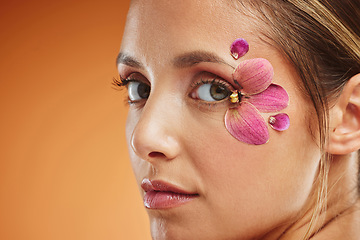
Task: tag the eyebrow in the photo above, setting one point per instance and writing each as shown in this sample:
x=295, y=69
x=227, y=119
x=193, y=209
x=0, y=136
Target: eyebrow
x=192, y=58
x=182, y=61
x=123, y=58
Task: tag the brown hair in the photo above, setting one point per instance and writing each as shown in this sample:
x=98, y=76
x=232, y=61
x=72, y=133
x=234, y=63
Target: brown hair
x=321, y=38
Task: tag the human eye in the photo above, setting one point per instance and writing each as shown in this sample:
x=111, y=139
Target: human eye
x=136, y=86
x=138, y=90
x=211, y=90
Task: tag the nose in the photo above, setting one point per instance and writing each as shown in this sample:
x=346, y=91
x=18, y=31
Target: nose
x=155, y=136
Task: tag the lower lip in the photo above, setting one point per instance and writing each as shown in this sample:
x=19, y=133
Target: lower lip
x=164, y=200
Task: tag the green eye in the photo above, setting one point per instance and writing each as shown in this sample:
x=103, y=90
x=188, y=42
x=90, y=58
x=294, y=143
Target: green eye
x=211, y=92
x=138, y=91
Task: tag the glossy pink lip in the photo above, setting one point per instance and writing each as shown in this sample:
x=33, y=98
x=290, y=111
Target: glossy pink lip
x=162, y=195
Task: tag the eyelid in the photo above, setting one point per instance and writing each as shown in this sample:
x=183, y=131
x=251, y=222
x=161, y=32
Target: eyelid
x=224, y=72
x=131, y=78
x=211, y=78
x=124, y=83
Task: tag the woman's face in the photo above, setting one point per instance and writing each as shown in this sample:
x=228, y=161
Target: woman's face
x=178, y=143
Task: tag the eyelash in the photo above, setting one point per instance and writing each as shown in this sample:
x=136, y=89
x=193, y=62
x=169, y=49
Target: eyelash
x=121, y=82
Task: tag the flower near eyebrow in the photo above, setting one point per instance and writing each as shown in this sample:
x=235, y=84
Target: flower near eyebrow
x=254, y=94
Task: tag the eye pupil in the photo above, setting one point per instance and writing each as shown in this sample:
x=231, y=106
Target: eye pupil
x=218, y=92
x=143, y=90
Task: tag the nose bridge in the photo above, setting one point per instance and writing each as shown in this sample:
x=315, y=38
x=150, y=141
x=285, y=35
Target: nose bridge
x=156, y=132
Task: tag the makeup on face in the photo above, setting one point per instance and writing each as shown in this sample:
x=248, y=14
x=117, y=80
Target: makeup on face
x=254, y=94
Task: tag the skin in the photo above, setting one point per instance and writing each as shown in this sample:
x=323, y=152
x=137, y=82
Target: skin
x=245, y=191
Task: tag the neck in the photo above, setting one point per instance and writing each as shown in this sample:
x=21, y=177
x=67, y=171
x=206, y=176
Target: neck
x=341, y=219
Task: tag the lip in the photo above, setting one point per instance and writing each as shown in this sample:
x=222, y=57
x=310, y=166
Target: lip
x=163, y=195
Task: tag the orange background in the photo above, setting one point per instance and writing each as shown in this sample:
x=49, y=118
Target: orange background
x=64, y=168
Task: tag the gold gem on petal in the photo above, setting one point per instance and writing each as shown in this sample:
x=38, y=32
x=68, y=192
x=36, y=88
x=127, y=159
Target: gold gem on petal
x=234, y=97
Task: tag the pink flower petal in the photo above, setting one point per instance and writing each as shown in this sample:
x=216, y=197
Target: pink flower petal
x=273, y=99
x=239, y=48
x=279, y=122
x=246, y=124
x=253, y=75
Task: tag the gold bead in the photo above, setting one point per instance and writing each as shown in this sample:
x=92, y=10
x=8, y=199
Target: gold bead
x=234, y=97
x=234, y=100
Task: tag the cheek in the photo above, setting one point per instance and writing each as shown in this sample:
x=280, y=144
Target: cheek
x=131, y=122
x=263, y=184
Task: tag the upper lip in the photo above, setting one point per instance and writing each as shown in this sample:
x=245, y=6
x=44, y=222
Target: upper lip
x=161, y=186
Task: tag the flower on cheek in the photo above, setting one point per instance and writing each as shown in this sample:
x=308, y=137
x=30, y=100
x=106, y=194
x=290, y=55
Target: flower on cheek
x=254, y=94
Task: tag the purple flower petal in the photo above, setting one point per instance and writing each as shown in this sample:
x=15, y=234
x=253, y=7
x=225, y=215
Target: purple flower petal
x=253, y=75
x=239, y=48
x=246, y=124
x=279, y=122
x=273, y=99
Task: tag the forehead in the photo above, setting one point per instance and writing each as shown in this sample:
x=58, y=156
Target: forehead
x=166, y=27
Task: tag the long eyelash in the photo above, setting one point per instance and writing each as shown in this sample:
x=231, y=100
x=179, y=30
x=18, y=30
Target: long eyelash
x=212, y=81
x=120, y=83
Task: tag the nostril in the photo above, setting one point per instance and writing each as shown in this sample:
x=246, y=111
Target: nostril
x=156, y=154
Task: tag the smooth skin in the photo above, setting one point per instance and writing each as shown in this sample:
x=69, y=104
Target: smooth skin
x=245, y=191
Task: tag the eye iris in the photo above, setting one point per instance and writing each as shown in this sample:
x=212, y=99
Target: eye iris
x=143, y=90
x=218, y=92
